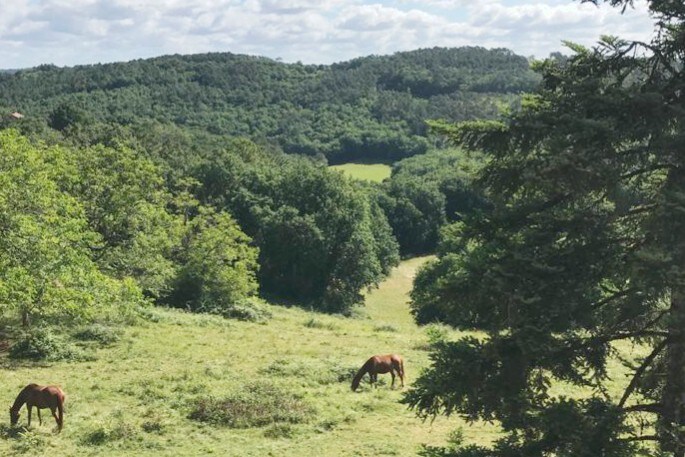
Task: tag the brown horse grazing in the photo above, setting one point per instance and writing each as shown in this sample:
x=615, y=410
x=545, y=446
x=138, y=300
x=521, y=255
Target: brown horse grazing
x=389, y=363
x=41, y=397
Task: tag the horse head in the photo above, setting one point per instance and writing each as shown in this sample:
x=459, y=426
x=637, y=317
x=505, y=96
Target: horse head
x=14, y=416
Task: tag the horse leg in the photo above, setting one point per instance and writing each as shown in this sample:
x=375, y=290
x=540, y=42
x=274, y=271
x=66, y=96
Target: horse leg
x=54, y=414
x=40, y=419
x=30, y=408
x=392, y=384
x=401, y=373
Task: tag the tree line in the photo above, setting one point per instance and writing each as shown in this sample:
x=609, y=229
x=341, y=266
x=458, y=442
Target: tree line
x=371, y=108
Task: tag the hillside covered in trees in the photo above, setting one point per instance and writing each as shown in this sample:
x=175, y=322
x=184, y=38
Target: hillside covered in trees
x=371, y=108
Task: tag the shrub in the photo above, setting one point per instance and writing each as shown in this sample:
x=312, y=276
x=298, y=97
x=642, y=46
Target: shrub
x=114, y=429
x=247, y=309
x=98, y=333
x=41, y=344
x=280, y=430
x=254, y=405
x=436, y=333
x=219, y=265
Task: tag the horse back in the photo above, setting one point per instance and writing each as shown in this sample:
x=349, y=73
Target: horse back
x=385, y=363
x=44, y=396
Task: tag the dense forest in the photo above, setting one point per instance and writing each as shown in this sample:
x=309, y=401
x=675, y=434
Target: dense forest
x=371, y=108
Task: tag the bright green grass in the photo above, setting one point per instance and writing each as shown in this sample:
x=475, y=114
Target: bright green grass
x=148, y=378
x=368, y=172
x=134, y=399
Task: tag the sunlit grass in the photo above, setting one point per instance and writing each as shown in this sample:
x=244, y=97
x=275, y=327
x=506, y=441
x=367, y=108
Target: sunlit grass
x=376, y=172
x=137, y=396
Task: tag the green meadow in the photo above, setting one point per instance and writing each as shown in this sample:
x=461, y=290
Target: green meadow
x=139, y=395
x=375, y=172
x=136, y=395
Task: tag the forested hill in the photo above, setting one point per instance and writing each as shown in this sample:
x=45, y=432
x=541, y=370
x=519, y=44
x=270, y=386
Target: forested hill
x=371, y=108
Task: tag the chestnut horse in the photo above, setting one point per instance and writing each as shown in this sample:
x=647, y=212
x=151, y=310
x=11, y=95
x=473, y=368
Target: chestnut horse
x=389, y=363
x=41, y=397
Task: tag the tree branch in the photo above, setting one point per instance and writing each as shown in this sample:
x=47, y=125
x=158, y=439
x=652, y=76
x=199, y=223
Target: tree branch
x=641, y=438
x=616, y=295
x=640, y=371
x=655, y=408
x=656, y=167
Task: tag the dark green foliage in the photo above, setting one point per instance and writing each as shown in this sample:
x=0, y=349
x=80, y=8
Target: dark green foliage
x=99, y=333
x=66, y=115
x=279, y=431
x=371, y=107
x=321, y=240
x=42, y=344
x=424, y=193
x=255, y=405
x=583, y=247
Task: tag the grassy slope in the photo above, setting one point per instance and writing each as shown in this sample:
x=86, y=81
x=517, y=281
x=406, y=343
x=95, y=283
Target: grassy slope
x=155, y=370
x=376, y=172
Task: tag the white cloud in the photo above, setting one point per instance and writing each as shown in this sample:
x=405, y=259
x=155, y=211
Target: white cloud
x=67, y=32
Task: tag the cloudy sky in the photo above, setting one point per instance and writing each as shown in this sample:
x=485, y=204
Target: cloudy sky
x=70, y=32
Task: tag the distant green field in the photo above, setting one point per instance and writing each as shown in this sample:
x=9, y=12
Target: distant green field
x=376, y=172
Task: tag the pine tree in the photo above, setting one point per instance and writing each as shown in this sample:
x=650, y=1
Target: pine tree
x=583, y=250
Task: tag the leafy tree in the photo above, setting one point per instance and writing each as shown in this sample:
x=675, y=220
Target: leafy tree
x=424, y=193
x=321, y=240
x=125, y=202
x=218, y=265
x=46, y=269
x=66, y=115
x=583, y=248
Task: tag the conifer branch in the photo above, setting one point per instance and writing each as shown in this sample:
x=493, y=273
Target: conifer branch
x=640, y=371
x=656, y=408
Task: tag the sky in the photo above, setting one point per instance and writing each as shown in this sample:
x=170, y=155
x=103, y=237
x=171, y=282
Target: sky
x=73, y=32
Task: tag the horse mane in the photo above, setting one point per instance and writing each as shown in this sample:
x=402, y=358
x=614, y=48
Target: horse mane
x=362, y=371
x=21, y=398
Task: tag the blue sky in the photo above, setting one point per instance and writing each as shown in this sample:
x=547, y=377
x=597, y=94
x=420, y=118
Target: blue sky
x=70, y=32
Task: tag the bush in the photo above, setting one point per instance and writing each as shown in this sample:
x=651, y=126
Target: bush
x=279, y=430
x=98, y=333
x=114, y=429
x=254, y=405
x=436, y=333
x=41, y=344
x=247, y=309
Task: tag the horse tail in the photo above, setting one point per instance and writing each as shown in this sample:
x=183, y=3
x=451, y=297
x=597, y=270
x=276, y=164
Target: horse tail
x=358, y=377
x=402, y=366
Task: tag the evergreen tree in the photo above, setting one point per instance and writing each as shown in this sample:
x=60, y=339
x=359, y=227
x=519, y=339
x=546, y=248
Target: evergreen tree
x=584, y=247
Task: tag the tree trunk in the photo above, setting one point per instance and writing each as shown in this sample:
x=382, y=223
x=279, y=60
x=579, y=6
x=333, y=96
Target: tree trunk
x=25, y=318
x=672, y=424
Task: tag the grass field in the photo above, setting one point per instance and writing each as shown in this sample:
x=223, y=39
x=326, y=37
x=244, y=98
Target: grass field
x=376, y=172
x=135, y=398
